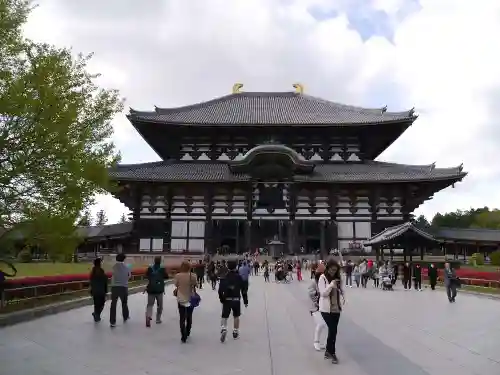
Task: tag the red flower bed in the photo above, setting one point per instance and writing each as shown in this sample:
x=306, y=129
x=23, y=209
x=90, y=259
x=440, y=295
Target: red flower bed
x=470, y=274
x=58, y=279
x=473, y=274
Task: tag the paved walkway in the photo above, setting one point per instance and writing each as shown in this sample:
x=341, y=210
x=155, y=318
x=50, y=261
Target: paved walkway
x=381, y=333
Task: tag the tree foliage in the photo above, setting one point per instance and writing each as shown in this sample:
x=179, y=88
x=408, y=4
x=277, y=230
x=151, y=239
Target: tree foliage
x=421, y=222
x=459, y=218
x=123, y=219
x=101, y=217
x=55, y=132
x=85, y=219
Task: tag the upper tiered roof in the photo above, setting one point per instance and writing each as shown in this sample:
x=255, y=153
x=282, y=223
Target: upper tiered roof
x=271, y=108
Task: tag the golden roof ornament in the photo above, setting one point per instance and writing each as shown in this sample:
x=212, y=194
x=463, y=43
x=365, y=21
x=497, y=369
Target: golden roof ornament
x=299, y=89
x=237, y=88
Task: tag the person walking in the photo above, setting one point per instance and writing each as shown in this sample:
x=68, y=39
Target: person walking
x=349, y=268
x=375, y=275
x=156, y=276
x=451, y=282
x=119, y=289
x=212, y=274
x=319, y=322
x=363, y=270
x=407, y=276
x=266, y=271
x=417, y=277
x=231, y=290
x=357, y=275
x=433, y=275
x=98, y=288
x=256, y=267
x=185, y=287
x=200, y=273
x=244, y=272
x=330, y=305
x=299, y=270
x=314, y=265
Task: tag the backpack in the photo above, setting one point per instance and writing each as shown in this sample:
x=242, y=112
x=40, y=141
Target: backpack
x=156, y=284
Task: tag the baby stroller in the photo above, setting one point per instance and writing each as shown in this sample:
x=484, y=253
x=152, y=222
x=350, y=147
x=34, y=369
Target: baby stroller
x=386, y=279
x=281, y=276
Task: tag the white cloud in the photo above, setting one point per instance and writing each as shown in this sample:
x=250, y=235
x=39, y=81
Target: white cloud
x=442, y=59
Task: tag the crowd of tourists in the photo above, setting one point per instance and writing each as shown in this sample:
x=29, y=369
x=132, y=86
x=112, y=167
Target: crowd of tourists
x=326, y=290
x=232, y=277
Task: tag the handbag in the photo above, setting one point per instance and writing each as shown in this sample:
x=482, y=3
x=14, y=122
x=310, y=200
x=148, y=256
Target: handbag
x=195, y=300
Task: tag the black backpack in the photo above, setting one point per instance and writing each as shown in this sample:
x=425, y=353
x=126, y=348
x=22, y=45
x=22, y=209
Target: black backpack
x=156, y=284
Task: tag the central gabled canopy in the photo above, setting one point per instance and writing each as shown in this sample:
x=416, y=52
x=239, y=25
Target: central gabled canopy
x=272, y=162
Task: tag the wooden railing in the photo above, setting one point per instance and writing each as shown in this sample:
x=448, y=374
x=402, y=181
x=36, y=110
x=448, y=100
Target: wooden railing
x=15, y=299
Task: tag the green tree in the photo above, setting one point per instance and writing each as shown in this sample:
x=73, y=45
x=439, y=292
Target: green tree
x=101, y=217
x=458, y=219
x=487, y=219
x=85, y=220
x=55, y=129
x=421, y=222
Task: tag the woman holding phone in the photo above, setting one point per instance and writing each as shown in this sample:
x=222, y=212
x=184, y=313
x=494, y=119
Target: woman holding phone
x=331, y=299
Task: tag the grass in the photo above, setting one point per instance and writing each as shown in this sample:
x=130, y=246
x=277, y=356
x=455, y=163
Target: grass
x=52, y=269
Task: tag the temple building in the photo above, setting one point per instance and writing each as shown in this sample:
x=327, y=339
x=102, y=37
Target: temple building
x=245, y=169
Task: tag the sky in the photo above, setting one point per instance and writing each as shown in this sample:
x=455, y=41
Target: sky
x=440, y=56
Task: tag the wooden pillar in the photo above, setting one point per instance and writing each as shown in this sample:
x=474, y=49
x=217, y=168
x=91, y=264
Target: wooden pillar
x=248, y=235
x=237, y=228
x=209, y=223
x=136, y=216
x=292, y=237
x=333, y=198
x=248, y=222
x=322, y=244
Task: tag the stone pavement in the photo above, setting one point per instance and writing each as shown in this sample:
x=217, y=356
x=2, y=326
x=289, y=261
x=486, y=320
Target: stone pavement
x=381, y=333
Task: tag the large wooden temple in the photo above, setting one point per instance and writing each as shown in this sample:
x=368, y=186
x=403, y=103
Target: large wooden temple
x=248, y=168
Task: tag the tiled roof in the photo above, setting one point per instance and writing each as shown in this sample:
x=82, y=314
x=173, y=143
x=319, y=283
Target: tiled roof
x=468, y=234
x=172, y=171
x=270, y=108
x=394, y=232
x=100, y=231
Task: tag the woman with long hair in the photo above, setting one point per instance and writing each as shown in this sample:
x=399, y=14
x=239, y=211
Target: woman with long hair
x=185, y=288
x=331, y=299
x=320, y=324
x=98, y=288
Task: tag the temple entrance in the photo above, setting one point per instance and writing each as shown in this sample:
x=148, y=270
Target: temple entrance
x=264, y=231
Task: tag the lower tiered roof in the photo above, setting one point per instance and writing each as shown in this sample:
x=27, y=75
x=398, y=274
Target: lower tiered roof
x=210, y=171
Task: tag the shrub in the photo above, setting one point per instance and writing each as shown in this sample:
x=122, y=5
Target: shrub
x=25, y=256
x=495, y=258
x=477, y=259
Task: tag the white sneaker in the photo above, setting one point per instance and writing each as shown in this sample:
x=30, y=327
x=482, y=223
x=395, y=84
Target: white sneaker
x=317, y=346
